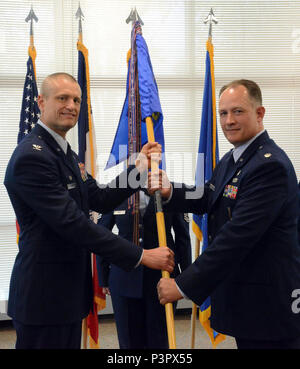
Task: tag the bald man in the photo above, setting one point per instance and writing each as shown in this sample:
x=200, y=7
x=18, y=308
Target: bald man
x=51, y=283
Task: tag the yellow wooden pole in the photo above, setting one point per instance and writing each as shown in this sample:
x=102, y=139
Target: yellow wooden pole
x=84, y=333
x=32, y=54
x=84, y=340
x=31, y=49
x=84, y=322
x=162, y=240
x=194, y=306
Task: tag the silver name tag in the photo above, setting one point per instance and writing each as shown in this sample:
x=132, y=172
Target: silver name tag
x=71, y=185
x=212, y=187
x=119, y=212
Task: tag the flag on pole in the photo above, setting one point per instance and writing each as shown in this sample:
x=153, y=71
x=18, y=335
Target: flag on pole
x=141, y=101
x=149, y=101
x=30, y=112
x=209, y=151
x=88, y=158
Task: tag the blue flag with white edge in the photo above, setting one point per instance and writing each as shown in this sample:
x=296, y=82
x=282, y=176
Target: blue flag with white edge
x=208, y=157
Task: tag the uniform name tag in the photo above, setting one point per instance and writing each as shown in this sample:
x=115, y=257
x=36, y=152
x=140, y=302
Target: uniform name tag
x=119, y=212
x=71, y=186
x=212, y=187
x=230, y=192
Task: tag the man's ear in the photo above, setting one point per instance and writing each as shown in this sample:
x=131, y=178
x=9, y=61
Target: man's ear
x=40, y=102
x=260, y=111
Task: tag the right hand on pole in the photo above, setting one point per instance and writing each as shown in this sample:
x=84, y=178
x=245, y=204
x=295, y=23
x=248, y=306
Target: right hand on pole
x=151, y=151
x=158, y=180
x=161, y=258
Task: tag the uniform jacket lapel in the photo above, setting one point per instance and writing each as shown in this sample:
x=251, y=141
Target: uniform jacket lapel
x=70, y=162
x=150, y=209
x=226, y=171
x=223, y=175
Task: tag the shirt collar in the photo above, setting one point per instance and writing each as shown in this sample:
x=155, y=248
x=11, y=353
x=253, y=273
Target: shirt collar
x=237, y=151
x=61, y=141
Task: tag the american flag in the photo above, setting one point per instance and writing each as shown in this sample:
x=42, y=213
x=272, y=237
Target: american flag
x=30, y=112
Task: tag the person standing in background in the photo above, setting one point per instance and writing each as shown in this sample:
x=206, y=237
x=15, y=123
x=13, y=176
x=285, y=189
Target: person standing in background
x=140, y=318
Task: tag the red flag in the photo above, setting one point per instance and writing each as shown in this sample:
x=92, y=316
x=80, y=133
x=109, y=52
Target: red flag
x=87, y=155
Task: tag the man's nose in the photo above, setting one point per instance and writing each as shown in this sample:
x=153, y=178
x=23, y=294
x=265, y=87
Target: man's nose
x=70, y=104
x=230, y=118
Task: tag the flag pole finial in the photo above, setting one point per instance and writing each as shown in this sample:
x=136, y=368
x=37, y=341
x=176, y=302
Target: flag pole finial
x=79, y=14
x=134, y=16
x=210, y=19
x=31, y=17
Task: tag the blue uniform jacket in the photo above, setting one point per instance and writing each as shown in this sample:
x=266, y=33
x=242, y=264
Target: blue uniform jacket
x=51, y=280
x=299, y=216
x=131, y=284
x=252, y=263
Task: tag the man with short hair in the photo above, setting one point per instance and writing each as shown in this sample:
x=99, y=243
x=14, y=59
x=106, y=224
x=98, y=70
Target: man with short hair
x=252, y=263
x=51, y=283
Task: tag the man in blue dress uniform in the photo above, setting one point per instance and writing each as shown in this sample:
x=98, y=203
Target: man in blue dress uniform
x=252, y=263
x=299, y=215
x=51, y=283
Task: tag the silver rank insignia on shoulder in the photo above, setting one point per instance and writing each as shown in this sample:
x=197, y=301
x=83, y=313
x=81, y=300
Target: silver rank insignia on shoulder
x=268, y=155
x=186, y=217
x=36, y=147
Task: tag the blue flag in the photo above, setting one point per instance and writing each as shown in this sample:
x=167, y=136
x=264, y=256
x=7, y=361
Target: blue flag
x=83, y=119
x=150, y=107
x=208, y=156
x=30, y=112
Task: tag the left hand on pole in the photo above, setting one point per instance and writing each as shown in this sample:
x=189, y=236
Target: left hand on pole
x=167, y=291
x=151, y=151
x=158, y=180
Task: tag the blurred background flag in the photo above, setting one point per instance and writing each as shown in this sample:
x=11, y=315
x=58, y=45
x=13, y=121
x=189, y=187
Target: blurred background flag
x=88, y=161
x=208, y=157
x=30, y=112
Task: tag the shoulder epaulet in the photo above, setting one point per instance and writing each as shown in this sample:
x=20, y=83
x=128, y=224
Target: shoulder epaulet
x=264, y=152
